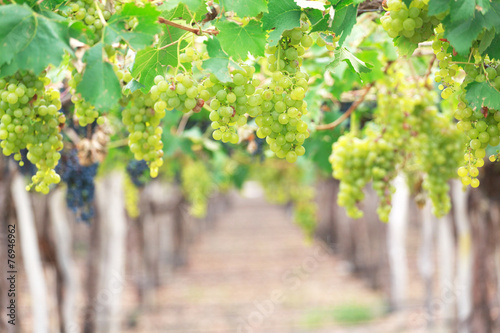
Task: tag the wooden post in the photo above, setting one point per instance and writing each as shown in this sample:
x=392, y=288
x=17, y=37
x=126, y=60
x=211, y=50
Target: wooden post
x=396, y=243
x=66, y=279
x=31, y=255
x=464, y=258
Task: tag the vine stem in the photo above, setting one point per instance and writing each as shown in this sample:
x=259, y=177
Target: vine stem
x=183, y=122
x=429, y=69
x=351, y=109
x=183, y=27
x=118, y=143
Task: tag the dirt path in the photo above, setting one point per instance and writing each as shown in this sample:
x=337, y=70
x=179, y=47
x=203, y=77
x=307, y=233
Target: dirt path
x=254, y=272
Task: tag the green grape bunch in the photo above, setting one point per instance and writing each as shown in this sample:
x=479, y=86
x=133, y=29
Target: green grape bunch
x=231, y=102
x=181, y=92
x=30, y=119
x=282, y=101
x=91, y=13
x=142, y=118
x=412, y=23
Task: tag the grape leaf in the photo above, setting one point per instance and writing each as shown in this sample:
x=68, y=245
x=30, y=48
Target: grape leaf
x=494, y=49
x=343, y=21
x=196, y=8
x=134, y=85
x=345, y=3
x=462, y=33
x=153, y=61
x=99, y=86
x=407, y=3
x=486, y=40
x=405, y=46
x=483, y=94
x=218, y=62
x=180, y=11
x=17, y=27
x=283, y=15
x=437, y=7
x=244, y=8
x=461, y=10
x=238, y=41
x=139, y=37
x=342, y=54
x=46, y=43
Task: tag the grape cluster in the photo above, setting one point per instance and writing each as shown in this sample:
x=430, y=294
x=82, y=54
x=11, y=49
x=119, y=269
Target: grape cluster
x=87, y=11
x=29, y=118
x=356, y=162
x=411, y=24
x=142, y=118
x=84, y=111
x=282, y=101
x=481, y=125
x=80, y=184
x=180, y=92
x=196, y=182
x=231, y=101
x=408, y=135
x=135, y=170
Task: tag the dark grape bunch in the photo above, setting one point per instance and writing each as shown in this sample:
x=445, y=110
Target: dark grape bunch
x=29, y=118
x=80, y=184
x=135, y=170
x=91, y=13
x=142, y=118
x=411, y=24
x=231, y=101
x=282, y=101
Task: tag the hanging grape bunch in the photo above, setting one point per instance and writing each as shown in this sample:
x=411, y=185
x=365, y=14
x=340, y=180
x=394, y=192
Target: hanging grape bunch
x=412, y=24
x=180, y=92
x=142, y=118
x=91, y=13
x=29, y=118
x=230, y=103
x=282, y=101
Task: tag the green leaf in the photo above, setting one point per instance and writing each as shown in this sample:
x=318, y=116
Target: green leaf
x=196, y=8
x=99, y=86
x=218, y=62
x=461, y=10
x=461, y=34
x=46, y=43
x=17, y=27
x=342, y=54
x=405, y=46
x=244, y=8
x=134, y=85
x=345, y=3
x=142, y=35
x=407, y=3
x=494, y=49
x=483, y=94
x=153, y=61
x=283, y=15
x=486, y=40
x=437, y=7
x=180, y=11
x=238, y=41
x=342, y=23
